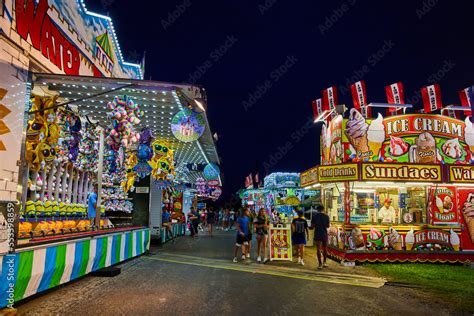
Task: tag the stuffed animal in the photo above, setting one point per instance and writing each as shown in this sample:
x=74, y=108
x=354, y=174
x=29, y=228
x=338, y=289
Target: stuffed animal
x=44, y=154
x=24, y=228
x=39, y=209
x=30, y=209
x=62, y=209
x=55, y=209
x=48, y=208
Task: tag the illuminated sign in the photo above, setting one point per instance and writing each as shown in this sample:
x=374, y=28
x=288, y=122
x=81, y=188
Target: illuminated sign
x=401, y=172
x=464, y=174
x=342, y=172
x=309, y=177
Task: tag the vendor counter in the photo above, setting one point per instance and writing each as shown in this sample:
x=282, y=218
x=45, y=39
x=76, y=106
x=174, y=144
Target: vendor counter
x=35, y=269
x=178, y=229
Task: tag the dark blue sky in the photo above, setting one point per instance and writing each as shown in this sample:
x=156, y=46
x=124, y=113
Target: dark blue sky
x=291, y=51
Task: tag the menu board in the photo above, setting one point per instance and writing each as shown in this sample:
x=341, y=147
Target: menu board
x=280, y=243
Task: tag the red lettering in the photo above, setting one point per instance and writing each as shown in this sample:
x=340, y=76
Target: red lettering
x=28, y=22
x=71, y=61
x=47, y=46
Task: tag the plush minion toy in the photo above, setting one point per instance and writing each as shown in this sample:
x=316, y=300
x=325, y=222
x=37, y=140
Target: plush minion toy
x=48, y=208
x=69, y=210
x=83, y=211
x=62, y=209
x=55, y=212
x=39, y=209
x=30, y=210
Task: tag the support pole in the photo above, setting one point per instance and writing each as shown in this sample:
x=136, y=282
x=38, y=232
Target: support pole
x=99, y=176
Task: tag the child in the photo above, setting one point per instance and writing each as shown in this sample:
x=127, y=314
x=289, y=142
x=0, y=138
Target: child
x=299, y=228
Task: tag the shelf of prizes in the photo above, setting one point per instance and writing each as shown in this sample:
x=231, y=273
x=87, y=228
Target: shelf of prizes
x=399, y=189
x=67, y=154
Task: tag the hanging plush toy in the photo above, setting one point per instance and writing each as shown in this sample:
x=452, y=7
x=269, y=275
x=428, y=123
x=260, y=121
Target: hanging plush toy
x=123, y=116
x=144, y=153
x=163, y=169
x=44, y=154
x=131, y=174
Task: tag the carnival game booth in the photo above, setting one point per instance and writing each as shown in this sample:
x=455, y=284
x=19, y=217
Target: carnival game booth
x=402, y=188
x=113, y=133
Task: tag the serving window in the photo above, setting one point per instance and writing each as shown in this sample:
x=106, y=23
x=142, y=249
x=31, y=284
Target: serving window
x=378, y=203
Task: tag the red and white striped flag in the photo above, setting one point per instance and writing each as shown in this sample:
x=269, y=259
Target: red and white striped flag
x=395, y=95
x=466, y=96
x=431, y=98
x=256, y=178
x=359, y=98
x=317, y=108
x=330, y=100
x=249, y=182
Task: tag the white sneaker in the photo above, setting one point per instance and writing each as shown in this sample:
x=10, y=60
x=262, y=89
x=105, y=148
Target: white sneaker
x=299, y=260
x=259, y=259
x=243, y=257
x=302, y=262
x=265, y=260
x=235, y=260
x=248, y=255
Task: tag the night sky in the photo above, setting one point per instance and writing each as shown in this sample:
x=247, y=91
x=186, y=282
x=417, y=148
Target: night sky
x=263, y=62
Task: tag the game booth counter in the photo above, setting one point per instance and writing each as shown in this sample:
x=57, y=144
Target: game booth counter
x=399, y=188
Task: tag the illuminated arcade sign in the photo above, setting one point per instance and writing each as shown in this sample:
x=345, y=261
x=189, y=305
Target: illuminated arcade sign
x=401, y=172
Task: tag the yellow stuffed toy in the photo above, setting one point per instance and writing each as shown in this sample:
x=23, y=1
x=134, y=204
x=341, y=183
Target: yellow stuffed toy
x=39, y=208
x=44, y=154
x=30, y=209
x=48, y=208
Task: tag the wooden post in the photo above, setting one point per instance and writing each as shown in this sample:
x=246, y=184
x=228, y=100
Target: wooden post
x=99, y=175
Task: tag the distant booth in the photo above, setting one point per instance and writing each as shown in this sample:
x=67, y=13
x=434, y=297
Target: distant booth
x=399, y=188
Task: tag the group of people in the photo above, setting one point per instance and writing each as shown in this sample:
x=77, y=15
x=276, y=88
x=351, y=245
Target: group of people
x=249, y=223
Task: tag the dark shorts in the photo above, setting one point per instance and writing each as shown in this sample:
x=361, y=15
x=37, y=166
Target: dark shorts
x=299, y=240
x=261, y=232
x=241, y=240
x=323, y=240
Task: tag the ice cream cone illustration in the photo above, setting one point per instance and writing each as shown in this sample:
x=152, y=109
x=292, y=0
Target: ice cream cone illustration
x=410, y=239
x=439, y=204
x=394, y=239
x=469, y=134
x=340, y=238
x=454, y=239
x=356, y=132
x=376, y=135
x=468, y=213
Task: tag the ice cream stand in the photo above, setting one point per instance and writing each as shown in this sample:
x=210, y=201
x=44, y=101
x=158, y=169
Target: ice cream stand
x=399, y=188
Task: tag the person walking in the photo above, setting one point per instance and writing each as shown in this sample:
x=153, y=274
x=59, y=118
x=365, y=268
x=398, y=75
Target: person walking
x=299, y=229
x=242, y=234
x=320, y=223
x=262, y=223
x=193, y=218
x=211, y=220
x=251, y=215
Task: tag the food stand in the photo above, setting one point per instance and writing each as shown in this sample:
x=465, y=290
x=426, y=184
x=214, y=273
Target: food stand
x=398, y=188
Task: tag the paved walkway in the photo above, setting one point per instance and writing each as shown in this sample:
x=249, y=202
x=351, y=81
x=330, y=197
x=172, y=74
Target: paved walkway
x=197, y=277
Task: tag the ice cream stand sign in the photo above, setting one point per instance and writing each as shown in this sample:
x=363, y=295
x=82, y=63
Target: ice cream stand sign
x=461, y=174
x=442, y=206
x=411, y=138
x=341, y=172
x=401, y=172
x=433, y=238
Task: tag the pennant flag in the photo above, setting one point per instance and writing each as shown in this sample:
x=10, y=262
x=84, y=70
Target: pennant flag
x=359, y=98
x=317, y=108
x=431, y=98
x=395, y=95
x=249, y=182
x=256, y=178
x=330, y=100
x=467, y=99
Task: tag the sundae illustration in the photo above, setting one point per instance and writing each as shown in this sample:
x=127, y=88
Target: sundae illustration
x=452, y=148
x=376, y=238
x=356, y=132
x=468, y=213
x=376, y=134
x=398, y=146
x=469, y=134
x=394, y=239
x=424, y=150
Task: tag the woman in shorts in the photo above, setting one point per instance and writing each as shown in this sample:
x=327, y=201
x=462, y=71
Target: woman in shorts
x=261, y=229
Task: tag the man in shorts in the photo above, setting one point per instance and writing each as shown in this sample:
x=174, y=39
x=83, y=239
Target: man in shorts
x=320, y=223
x=242, y=234
x=299, y=227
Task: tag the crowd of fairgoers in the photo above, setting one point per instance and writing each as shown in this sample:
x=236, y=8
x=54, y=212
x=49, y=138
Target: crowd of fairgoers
x=249, y=223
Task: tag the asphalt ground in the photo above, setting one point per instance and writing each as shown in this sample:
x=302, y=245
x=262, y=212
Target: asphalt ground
x=197, y=277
